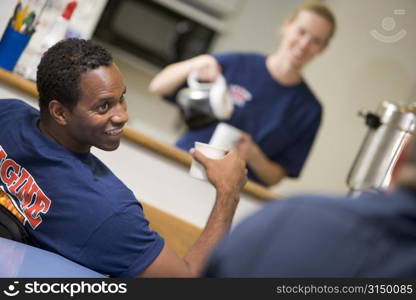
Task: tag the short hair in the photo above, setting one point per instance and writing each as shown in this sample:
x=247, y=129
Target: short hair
x=60, y=69
x=321, y=10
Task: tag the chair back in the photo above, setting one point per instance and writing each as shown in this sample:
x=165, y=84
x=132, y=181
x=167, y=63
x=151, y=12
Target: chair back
x=12, y=229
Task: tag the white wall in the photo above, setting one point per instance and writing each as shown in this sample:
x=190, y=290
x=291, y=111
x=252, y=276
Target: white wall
x=254, y=26
x=6, y=11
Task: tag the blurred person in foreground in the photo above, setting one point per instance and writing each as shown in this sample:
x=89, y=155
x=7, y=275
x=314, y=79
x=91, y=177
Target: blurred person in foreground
x=273, y=104
x=68, y=200
x=372, y=235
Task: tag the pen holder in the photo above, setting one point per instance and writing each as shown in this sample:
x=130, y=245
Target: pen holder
x=12, y=45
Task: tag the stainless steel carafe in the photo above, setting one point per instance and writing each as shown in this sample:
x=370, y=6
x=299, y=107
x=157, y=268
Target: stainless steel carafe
x=390, y=128
x=204, y=103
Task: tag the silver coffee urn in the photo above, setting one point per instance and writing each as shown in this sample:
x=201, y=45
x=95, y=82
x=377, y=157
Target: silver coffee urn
x=389, y=130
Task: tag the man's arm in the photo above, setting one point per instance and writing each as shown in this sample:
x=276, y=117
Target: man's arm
x=174, y=75
x=265, y=169
x=228, y=176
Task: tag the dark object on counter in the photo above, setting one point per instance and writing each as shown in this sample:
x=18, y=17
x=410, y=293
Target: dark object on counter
x=152, y=31
x=12, y=229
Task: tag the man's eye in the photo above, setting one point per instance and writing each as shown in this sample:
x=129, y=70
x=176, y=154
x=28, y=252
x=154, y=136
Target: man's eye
x=103, y=107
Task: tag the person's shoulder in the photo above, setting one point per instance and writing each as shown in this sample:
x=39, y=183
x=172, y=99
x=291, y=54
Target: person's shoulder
x=239, y=56
x=366, y=207
x=15, y=109
x=308, y=204
x=305, y=88
x=14, y=104
x=308, y=97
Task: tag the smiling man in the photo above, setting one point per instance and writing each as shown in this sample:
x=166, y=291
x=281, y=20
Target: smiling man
x=272, y=102
x=69, y=201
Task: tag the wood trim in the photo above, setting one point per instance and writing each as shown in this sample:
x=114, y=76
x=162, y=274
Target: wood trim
x=178, y=234
x=184, y=158
x=18, y=82
x=157, y=146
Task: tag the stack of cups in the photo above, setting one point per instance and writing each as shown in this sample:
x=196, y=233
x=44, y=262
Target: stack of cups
x=225, y=136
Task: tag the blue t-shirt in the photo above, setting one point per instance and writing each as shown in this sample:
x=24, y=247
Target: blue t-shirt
x=373, y=235
x=71, y=203
x=282, y=120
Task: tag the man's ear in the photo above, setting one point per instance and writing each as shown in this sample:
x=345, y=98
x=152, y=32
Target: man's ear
x=58, y=112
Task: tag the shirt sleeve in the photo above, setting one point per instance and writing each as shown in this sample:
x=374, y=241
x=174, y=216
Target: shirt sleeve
x=123, y=246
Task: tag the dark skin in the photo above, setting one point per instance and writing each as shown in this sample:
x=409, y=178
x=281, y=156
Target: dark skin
x=97, y=120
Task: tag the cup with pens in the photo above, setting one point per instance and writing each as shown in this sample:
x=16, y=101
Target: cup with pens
x=16, y=36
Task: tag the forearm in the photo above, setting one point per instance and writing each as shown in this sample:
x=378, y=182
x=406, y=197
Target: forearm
x=217, y=226
x=173, y=76
x=266, y=170
x=228, y=175
x=170, y=78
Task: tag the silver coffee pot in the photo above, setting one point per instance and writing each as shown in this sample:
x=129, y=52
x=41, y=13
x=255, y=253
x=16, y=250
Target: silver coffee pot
x=203, y=103
x=390, y=129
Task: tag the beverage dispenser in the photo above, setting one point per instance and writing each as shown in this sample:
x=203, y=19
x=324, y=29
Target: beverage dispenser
x=389, y=130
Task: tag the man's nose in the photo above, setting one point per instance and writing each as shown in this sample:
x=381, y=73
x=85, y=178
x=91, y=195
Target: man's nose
x=120, y=114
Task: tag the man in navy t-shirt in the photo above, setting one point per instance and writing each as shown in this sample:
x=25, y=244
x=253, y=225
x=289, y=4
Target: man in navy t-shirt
x=69, y=201
x=273, y=104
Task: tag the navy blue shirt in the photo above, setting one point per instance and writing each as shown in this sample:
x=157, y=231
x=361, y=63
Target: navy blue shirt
x=373, y=235
x=71, y=203
x=282, y=120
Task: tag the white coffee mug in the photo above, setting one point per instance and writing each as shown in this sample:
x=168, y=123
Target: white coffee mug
x=225, y=136
x=197, y=170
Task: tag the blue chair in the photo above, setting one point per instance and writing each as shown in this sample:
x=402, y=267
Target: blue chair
x=24, y=261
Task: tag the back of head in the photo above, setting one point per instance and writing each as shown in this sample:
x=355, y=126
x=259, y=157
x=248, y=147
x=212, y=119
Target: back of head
x=61, y=67
x=321, y=10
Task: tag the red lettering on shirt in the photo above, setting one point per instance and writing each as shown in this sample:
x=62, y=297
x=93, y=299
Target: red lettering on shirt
x=23, y=186
x=41, y=205
x=9, y=171
x=27, y=192
x=3, y=154
x=23, y=178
